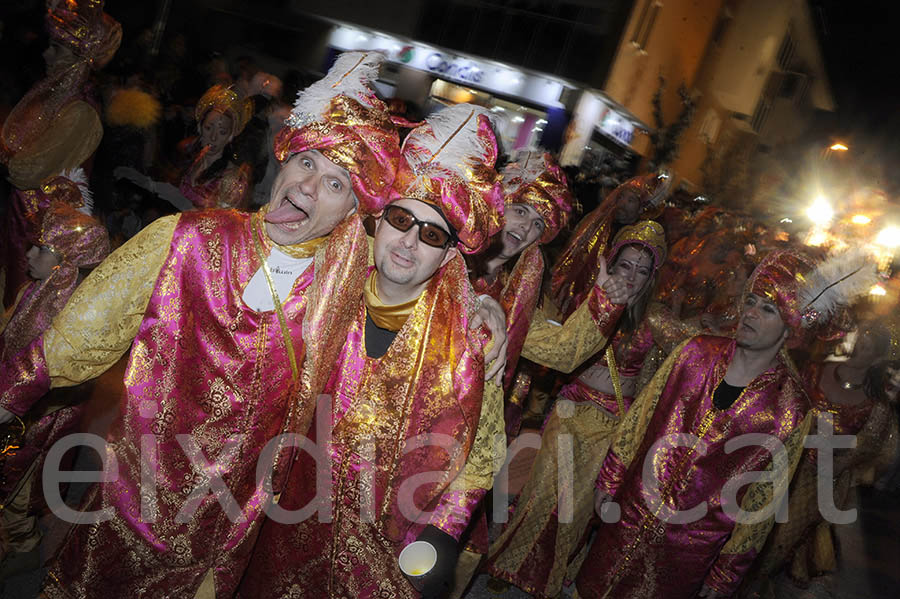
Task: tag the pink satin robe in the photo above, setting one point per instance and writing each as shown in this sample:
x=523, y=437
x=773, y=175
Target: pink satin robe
x=206, y=366
x=641, y=556
x=349, y=556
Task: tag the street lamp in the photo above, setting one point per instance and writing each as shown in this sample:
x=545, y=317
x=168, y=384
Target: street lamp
x=838, y=147
x=889, y=237
x=820, y=212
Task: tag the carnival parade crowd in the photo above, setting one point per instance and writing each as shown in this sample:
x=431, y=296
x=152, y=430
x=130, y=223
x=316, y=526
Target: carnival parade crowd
x=342, y=323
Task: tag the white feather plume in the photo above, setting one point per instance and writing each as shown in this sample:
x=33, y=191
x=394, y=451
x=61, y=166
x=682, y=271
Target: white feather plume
x=350, y=75
x=455, y=143
x=836, y=282
x=524, y=169
x=79, y=178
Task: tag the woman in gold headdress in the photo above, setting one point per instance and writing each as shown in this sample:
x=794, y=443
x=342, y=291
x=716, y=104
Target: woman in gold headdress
x=536, y=549
x=214, y=179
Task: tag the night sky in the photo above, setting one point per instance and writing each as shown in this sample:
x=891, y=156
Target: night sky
x=860, y=41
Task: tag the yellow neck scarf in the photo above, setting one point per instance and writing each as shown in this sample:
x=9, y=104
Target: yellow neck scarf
x=386, y=317
x=306, y=249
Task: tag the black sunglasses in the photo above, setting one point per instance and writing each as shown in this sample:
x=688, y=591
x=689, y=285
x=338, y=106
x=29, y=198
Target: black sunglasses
x=429, y=233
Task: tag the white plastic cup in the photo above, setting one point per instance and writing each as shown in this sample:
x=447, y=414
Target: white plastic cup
x=416, y=560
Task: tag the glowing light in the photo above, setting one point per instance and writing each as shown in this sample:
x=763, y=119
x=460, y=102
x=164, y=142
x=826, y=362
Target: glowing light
x=878, y=290
x=786, y=220
x=817, y=238
x=860, y=219
x=839, y=147
x=820, y=212
x=889, y=237
x=518, y=119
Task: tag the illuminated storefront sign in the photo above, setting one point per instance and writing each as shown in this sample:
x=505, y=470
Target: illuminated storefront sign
x=490, y=76
x=618, y=127
x=460, y=70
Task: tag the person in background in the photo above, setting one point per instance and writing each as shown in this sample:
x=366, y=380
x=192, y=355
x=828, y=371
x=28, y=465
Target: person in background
x=70, y=239
x=676, y=534
x=55, y=127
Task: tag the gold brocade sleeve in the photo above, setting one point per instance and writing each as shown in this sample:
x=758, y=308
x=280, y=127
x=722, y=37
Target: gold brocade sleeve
x=747, y=537
x=637, y=418
x=485, y=458
x=564, y=347
x=70, y=140
x=102, y=318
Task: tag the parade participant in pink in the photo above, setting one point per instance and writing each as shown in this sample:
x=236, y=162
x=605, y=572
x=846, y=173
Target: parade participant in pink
x=70, y=239
x=409, y=396
x=577, y=266
x=234, y=321
x=214, y=180
x=713, y=389
x=538, y=551
x=55, y=127
x=538, y=203
x=839, y=391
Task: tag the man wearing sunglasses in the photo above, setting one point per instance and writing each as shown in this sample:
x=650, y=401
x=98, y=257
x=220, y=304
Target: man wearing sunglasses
x=413, y=422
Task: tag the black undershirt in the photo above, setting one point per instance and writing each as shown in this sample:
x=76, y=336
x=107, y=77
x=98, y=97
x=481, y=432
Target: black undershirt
x=378, y=340
x=725, y=395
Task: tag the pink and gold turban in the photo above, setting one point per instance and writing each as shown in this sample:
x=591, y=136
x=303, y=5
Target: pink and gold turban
x=651, y=189
x=812, y=296
x=448, y=162
x=779, y=278
x=340, y=117
x=645, y=233
x=83, y=27
x=536, y=180
x=76, y=238
x=228, y=102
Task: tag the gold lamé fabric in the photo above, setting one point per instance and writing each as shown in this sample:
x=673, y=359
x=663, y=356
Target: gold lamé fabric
x=388, y=317
x=429, y=385
x=669, y=332
x=542, y=547
x=518, y=293
x=360, y=138
x=227, y=101
x=646, y=233
x=65, y=144
x=643, y=554
x=83, y=341
x=205, y=365
x=576, y=267
x=51, y=129
x=231, y=188
x=779, y=277
x=582, y=335
x=83, y=27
